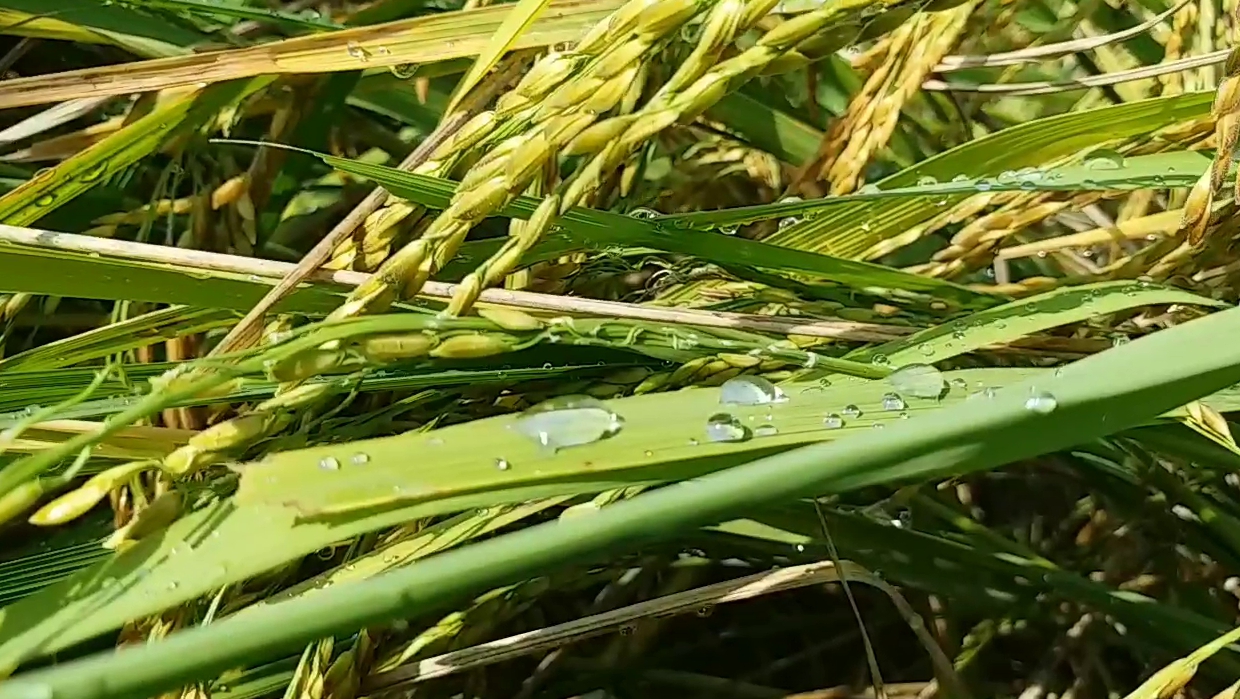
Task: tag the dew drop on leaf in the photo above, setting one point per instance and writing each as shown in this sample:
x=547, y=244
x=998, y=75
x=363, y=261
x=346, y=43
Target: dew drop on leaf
x=1041, y=403
x=724, y=427
x=893, y=401
x=750, y=390
x=329, y=463
x=569, y=421
x=360, y=458
x=502, y=464
x=851, y=411
x=766, y=431
x=1104, y=159
x=832, y=421
x=918, y=380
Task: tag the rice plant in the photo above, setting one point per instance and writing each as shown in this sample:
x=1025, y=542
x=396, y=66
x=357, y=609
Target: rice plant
x=618, y=348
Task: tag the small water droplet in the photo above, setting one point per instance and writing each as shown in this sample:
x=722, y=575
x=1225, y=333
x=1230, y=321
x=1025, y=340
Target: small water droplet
x=851, y=412
x=643, y=213
x=1041, y=403
x=45, y=200
x=693, y=442
x=750, y=390
x=360, y=458
x=568, y=421
x=959, y=383
x=329, y=463
x=173, y=585
x=983, y=186
x=918, y=380
x=502, y=464
x=729, y=230
x=893, y=401
x=877, y=426
x=832, y=421
x=766, y=431
x=926, y=181
x=356, y=51
x=788, y=222
x=903, y=520
x=724, y=427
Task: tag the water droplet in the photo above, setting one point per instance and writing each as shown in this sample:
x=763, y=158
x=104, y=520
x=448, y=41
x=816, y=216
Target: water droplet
x=851, y=411
x=724, y=427
x=766, y=431
x=729, y=230
x=404, y=71
x=750, y=390
x=568, y=421
x=356, y=51
x=832, y=421
x=502, y=464
x=960, y=178
x=903, y=520
x=1041, y=403
x=893, y=401
x=693, y=442
x=360, y=458
x=959, y=383
x=1104, y=159
x=643, y=213
x=877, y=426
x=329, y=463
x=926, y=181
x=173, y=585
x=903, y=414
x=547, y=365
x=880, y=360
x=983, y=186
x=45, y=200
x=95, y=172
x=788, y=222
x=918, y=380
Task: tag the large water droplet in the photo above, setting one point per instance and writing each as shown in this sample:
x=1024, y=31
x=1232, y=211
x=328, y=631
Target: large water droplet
x=893, y=401
x=1104, y=159
x=329, y=463
x=724, y=427
x=360, y=458
x=1041, y=403
x=832, y=421
x=919, y=381
x=750, y=390
x=643, y=213
x=851, y=411
x=569, y=421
